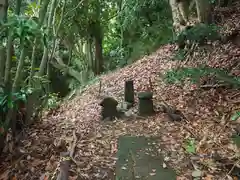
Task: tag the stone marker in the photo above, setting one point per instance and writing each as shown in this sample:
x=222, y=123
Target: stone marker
x=129, y=92
x=145, y=106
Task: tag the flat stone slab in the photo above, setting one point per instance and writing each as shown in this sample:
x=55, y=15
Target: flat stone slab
x=138, y=158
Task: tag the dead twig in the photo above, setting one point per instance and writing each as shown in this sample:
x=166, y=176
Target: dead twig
x=64, y=166
x=188, y=129
x=150, y=84
x=189, y=54
x=235, y=95
x=73, y=146
x=235, y=164
x=213, y=85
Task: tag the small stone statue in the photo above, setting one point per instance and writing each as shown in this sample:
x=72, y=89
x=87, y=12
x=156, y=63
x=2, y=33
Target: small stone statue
x=109, y=108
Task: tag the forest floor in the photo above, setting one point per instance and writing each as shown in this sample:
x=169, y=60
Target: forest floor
x=77, y=120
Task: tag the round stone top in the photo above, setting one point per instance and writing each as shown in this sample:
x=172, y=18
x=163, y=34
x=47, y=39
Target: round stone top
x=145, y=95
x=108, y=101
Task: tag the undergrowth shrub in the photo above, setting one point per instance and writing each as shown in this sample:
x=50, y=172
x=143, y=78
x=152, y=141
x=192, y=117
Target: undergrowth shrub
x=52, y=101
x=10, y=100
x=200, y=34
x=194, y=75
x=180, y=55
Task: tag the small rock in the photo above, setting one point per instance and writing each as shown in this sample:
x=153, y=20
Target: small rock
x=166, y=159
x=123, y=168
x=125, y=105
x=128, y=113
x=152, y=174
x=197, y=173
x=44, y=176
x=195, y=158
x=164, y=165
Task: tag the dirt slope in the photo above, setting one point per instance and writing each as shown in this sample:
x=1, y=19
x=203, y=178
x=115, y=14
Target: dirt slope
x=207, y=115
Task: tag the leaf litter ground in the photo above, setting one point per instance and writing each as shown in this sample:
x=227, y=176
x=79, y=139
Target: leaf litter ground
x=207, y=112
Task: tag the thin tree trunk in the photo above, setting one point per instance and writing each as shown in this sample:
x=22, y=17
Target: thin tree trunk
x=19, y=69
x=203, y=10
x=42, y=15
x=10, y=50
x=3, y=15
x=98, y=55
x=88, y=51
x=8, y=63
x=18, y=7
x=15, y=88
x=176, y=15
x=10, y=117
x=33, y=59
x=55, y=35
x=3, y=10
x=45, y=51
x=180, y=12
x=2, y=64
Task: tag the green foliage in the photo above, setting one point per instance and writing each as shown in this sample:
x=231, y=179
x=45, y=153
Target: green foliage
x=140, y=28
x=52, y=101
x=200, y=33
x=235, y=116
x=190, y=146
x=236, y=139
x=195, y=74
x=10, y=101
x=24, y=28
x=180, y=55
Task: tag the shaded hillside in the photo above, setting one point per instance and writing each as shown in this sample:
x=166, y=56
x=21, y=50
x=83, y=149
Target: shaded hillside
x=207, y=111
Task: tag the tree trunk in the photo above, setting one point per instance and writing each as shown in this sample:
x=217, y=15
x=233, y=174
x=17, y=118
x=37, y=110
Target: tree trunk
x=98, y=55
x=176, y=15
x=44, y=60
x=180, y=12
x=18, y=7
x=19, y=69
x=203, y=10
x=89, y=52
x=56, y=32
x=8, y=64
x=33, y=59
x=42, y=15
x=3, y=10
x=2, y=64
x=10, y=49
x=64, y=166
x=3, y=15
x=11, y=114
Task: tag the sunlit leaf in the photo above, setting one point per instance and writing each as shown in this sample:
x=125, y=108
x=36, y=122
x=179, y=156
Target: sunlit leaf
x=235, y=116
x=190, y=146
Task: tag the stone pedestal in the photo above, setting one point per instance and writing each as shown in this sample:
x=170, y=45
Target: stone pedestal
x=145, y=107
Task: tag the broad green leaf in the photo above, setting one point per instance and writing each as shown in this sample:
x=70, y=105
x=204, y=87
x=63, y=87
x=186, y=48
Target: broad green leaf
x=190, y=146
x=10, y=104
x=235, y=116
